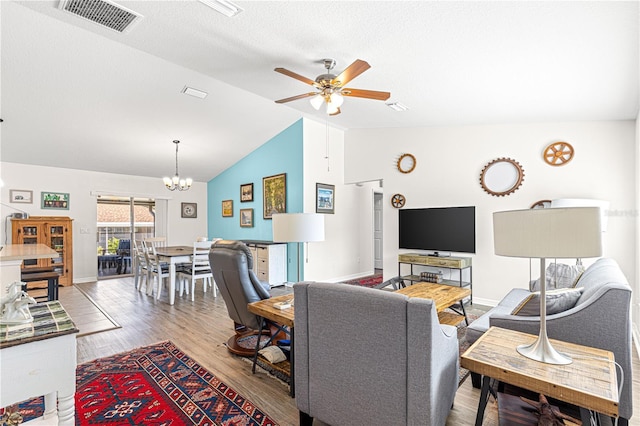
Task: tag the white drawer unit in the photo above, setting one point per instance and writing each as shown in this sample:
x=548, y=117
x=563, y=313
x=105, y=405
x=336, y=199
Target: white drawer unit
x=269, y=261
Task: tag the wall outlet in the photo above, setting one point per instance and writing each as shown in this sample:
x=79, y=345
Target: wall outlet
x=85, y=231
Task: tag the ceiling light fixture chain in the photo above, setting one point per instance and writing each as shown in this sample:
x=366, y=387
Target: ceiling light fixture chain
x=176, y=183
x=326, y=153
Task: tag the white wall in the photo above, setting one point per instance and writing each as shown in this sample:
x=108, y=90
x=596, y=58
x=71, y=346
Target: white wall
x=82, y=205
x=338, y=257
x=449, y=162
x=636, y=282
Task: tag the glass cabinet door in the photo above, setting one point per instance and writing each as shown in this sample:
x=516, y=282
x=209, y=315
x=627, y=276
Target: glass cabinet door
x=56, y=242
x=29, y=234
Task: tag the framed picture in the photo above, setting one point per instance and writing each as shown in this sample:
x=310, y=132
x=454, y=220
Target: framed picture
x=55, y=200
x=246, y=192
x=246, y=218
x=20, y=196
x=274, y=194
x=189, y=210
x=325, y=198
x=227, y=208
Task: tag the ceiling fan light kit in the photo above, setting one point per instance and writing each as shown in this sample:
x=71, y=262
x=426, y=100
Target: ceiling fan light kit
x=331, y=87
x=176, y=182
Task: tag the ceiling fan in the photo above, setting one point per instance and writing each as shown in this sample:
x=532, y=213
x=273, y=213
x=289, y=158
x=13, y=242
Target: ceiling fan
x=331, y=87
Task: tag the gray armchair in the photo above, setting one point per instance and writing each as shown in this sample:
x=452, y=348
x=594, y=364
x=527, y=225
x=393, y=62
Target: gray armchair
x=371, y=357
x=231, y=265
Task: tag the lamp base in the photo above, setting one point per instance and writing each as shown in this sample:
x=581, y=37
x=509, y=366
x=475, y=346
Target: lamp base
x=541, y=350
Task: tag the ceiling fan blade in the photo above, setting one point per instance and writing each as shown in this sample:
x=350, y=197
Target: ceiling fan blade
x=352, y=71
x=296, y=76
x=369, y=94
x=295, y=98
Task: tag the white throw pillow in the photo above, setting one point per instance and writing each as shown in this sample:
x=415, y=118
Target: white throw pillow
x=558, y=301
x=559, y=275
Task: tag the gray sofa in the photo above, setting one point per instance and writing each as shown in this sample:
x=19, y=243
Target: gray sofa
x=600, y=318
x=371, y=357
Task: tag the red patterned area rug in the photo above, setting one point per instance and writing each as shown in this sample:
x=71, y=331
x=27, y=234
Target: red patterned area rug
x=369, y=281
x=157, y=384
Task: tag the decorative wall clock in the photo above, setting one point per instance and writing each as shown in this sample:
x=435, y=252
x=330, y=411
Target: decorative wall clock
x=558, y=153
x=189, y=210
x=406, y=163
x=501, y=177
x=398, y=200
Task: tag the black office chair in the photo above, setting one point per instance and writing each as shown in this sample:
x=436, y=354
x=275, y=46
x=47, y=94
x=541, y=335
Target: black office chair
x=231, y=264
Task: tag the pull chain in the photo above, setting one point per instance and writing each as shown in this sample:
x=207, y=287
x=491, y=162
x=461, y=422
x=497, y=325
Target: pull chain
x=326, y=155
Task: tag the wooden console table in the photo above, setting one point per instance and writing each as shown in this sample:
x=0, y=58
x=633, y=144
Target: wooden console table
x=589, y=382
x=39, y=358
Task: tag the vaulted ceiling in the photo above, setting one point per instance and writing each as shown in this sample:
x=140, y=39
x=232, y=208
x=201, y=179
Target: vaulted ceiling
x=77, y=95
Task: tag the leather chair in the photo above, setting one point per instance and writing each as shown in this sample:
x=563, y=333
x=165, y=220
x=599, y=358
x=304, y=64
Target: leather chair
x=232, y=267
x=371, y=357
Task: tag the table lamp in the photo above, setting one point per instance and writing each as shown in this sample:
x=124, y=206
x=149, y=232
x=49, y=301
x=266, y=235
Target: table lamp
x=298, y=228
x=547, y=233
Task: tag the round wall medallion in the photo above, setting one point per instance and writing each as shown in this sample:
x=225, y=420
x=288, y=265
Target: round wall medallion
x=398, y=200
x=558, y=153
x=406, y=163
x=501, y=177
x=542, y=204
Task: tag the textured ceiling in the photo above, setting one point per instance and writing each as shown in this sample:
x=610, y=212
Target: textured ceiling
x=77, y=95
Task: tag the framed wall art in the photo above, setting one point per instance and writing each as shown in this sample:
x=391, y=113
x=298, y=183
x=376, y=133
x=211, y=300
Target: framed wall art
x=20, y=196
x=274, y=195
x=227, y=208
x=325, y=198
x=189, y=210
x=246, y=192
x=246, y=218
x=54, y=200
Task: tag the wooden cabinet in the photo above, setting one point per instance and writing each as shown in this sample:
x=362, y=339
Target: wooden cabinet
x=52, y=231
x=269, y=262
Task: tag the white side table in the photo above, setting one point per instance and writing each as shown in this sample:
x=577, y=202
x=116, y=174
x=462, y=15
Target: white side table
x=40, y=359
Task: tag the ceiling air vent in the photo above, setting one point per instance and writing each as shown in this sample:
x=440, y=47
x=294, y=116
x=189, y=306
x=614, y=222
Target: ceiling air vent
x=103, y=12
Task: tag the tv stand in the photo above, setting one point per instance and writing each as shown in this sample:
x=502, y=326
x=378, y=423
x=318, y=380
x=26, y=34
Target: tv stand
x=431, y=262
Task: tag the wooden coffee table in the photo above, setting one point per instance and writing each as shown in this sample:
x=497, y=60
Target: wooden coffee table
x=444, y=297
x=590, y=381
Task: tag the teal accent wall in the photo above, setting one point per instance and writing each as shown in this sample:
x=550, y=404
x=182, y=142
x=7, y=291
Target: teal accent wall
x=281, y=154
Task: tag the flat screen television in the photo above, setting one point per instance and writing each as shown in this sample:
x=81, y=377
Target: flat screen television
x=439, y=229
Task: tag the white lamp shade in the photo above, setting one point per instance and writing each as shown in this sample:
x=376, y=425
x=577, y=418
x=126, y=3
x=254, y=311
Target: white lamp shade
x=298, y=227
x=317, y=101
x=548, y=233
x=584, y=202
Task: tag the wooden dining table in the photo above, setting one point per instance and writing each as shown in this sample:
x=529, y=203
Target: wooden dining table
x=174, y=255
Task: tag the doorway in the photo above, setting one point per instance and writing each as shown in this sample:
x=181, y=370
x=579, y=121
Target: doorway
x=120, y=222
x=377, y=231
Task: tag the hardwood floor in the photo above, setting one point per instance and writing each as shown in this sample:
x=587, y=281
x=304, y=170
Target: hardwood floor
x=200, y=328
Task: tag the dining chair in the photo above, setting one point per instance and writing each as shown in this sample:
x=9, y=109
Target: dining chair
x=155, y=242
x=141, y=269
x=155, y=268
x=124, y=253
x=199, y=268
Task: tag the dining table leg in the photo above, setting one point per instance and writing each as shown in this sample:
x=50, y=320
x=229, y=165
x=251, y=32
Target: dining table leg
x=172, y=281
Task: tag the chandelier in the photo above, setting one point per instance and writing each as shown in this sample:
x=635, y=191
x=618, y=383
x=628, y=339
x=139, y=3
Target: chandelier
x=175, y=182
